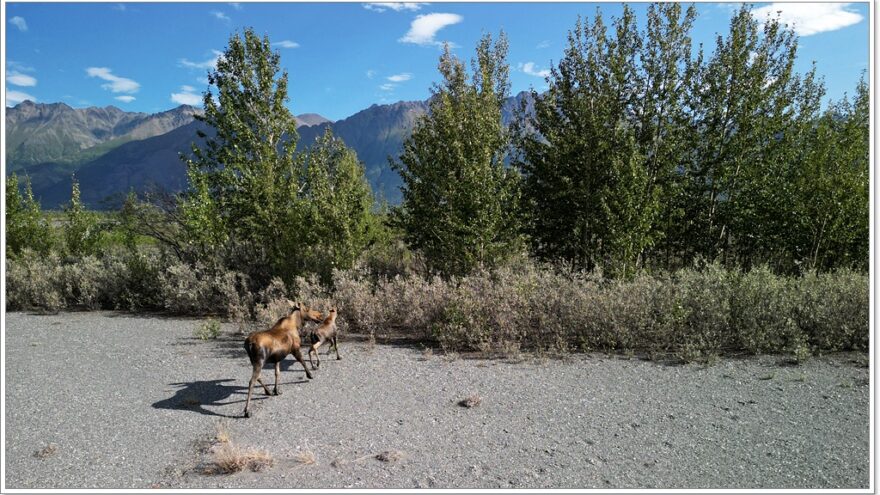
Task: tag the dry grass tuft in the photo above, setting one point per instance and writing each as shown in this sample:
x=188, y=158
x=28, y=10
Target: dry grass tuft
x=222, y=435
x=305, y=457
x=47, y=451
x=390, y=456
x=230, y=458
x=472, y=401
x=427, y=353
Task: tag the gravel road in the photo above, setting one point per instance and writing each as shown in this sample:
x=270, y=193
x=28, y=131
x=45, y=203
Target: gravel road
x=117, y=401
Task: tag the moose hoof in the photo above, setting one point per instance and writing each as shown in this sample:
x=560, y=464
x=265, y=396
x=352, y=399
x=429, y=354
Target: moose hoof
x=276, y=392
x=338, y=358
x=309, y=375
x=246, y=414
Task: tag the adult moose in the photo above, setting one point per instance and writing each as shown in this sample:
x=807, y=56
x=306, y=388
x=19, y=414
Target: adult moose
x=274, y=345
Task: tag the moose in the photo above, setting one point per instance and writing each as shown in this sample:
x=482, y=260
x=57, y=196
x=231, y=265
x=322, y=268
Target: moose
x=275, y=344
x=324, y=333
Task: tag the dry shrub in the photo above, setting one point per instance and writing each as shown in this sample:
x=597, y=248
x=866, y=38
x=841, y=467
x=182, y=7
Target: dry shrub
x=47, y=451
x=198, y=289
x=229, y=458
x=32, y=282
x=207, y=330
x=390, y=456
x=832, y=310
x=409, y=304
x=305, y=457
x=762, y=310
x=694, y=314
x=471, y=401
x=222, y=435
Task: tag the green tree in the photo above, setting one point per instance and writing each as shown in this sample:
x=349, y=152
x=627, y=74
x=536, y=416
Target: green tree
x=335, y=208
x=662, y=117
x=460, y=201
x=741, y=100
x=26, y=226
x=830, y=205
x=592, y=200
x=243, y=177
x=81, y=229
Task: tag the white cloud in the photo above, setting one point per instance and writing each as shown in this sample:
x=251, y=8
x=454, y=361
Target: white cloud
x=424, y=27
x=810, y=18
x=530, y=69
x=125, y=98
x=286, y=44
x=18, y=22
x=370, y=73
x=543, y=44
x=220, y=15
x=15, y=97
x=120, y=7
x=406, y=76
x=12, y=64
x=18, y=79
x=207, y=64
x=116, y=84
x=187, y=97
x=235, y=5
x=387, y=87
x=203, y=80
x=395, y=6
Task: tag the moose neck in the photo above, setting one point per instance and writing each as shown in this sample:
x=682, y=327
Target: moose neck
x=297, y=319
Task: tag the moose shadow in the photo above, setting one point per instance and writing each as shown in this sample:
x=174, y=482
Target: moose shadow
x=194, y=396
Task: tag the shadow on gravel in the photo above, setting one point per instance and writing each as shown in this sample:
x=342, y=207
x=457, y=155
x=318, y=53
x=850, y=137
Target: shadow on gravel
x=194, y=396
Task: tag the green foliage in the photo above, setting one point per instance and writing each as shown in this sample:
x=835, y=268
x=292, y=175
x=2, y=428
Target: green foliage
x=334, y=209
x=641, y=154
x=253, y=203
x=208, y=330
x=829, y=206
x=243, y=179
x=81, y=230
x=742, y=98
x=26, y=227
x=610, y=139
x=460, y=202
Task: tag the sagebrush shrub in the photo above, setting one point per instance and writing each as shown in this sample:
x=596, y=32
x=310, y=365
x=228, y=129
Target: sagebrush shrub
x=833, y=309
x=32, y=282
x=693, y=314
x=762, y=311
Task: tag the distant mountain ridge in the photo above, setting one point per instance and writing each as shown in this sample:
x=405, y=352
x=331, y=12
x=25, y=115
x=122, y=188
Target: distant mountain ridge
x=39, y=133
x=113, y=152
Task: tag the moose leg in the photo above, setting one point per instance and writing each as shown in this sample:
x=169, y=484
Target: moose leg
x=314, y=349
x=299, y=357
x=263, y=384
x=254, y=377
x=277, y=376
x=336, y=346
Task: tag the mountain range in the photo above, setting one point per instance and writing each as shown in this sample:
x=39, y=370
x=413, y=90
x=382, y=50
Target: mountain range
x=112, y=151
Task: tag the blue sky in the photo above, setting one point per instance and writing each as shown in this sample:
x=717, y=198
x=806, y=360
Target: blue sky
x=341, y=57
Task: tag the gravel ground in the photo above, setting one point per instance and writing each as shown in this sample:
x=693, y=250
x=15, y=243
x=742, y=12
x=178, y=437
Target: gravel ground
x=134, y=402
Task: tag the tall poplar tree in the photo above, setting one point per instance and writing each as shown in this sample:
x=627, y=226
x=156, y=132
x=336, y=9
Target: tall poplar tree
x=459, y=199
x=243, y=178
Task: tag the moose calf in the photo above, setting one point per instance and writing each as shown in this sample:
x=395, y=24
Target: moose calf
x=325, y=332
